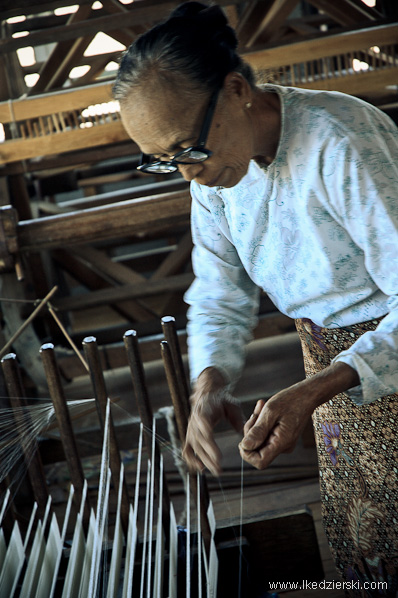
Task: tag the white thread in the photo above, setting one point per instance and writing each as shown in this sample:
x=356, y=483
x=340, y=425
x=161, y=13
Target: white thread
x=240, y=531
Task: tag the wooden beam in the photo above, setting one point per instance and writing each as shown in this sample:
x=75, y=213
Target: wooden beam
x=105, y=266
x=82, y=271
x=272, y=20
x=124, y=36
x=345, y=12
x=66, y=61
x=73, y=159
x=103, y=199
x=175, y=259
x=253, y=12
x=10, y=8
x=118, y=220
x=130, y=291
x=358, y=84
x=22, y=149
x=322, y=46
x=97, y=66
x=63, y=101
x=16, y=85
x=140, y=13
x=4, y=89
x=62, y=54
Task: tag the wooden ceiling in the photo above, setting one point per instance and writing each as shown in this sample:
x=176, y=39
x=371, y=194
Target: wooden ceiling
x=57, y=61
x=61, y=40
x=119, y=251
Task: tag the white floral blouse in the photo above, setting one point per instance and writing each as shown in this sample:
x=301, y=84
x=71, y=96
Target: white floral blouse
x=317, y=231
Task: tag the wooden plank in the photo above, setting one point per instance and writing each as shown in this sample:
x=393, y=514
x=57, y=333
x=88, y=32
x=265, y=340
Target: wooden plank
x=322, y=46
x=103, y=199
x=123, y=219
x=358, y=84
x=73, y=159
x=23, y=149
x=129, y=291
x=62, y=101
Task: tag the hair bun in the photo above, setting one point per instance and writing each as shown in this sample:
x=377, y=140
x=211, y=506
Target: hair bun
x=188, y=9
x=212, y=21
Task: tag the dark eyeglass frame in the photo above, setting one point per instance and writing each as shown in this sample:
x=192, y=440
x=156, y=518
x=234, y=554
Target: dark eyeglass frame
x=146, y=163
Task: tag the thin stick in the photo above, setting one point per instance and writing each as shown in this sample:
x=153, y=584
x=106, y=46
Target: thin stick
x=67, y=336
x=28, y=321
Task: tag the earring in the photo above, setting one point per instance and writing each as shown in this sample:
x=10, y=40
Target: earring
x=248, y=105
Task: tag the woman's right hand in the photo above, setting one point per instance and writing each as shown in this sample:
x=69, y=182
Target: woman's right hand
x=210, y=403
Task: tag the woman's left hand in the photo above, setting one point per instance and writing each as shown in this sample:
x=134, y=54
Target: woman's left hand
x=276, y=425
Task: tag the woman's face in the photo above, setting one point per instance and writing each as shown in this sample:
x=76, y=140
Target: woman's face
x=163, y=121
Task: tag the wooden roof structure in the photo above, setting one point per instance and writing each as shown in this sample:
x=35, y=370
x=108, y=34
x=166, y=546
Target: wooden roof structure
x=116, y=243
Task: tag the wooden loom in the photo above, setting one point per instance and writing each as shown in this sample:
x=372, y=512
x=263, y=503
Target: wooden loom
x=127, y=553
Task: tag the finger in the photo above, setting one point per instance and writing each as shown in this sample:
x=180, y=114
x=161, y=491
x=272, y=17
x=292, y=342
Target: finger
x=205, y=447
x=253, y=418
x=261, y=458
x=259, y=432
x=278, y=442
x=192, y=461
x=210, y=455
x=204, y=444
x=234, y=415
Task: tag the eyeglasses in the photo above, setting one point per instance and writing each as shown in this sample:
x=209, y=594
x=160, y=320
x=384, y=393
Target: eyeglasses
x=190, y=155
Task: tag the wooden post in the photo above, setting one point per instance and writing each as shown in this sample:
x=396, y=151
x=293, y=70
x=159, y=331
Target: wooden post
x=146, y=415
x=181, y=416
x=170, y=334
x=64, y=422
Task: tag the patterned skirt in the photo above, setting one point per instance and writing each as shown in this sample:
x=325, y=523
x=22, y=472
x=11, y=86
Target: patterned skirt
x=358, y=466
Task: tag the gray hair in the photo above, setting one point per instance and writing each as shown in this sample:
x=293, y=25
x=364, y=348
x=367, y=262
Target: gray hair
x=194, y=48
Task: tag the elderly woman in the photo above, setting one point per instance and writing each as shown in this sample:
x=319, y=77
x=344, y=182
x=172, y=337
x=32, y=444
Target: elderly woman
x=293, y=192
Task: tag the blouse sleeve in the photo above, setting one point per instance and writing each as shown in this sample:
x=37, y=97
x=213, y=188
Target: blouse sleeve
x=366, y=199
x=223, y=299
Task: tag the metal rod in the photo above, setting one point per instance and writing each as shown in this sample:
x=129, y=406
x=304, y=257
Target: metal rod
x=100, y=392
x=12, y=376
